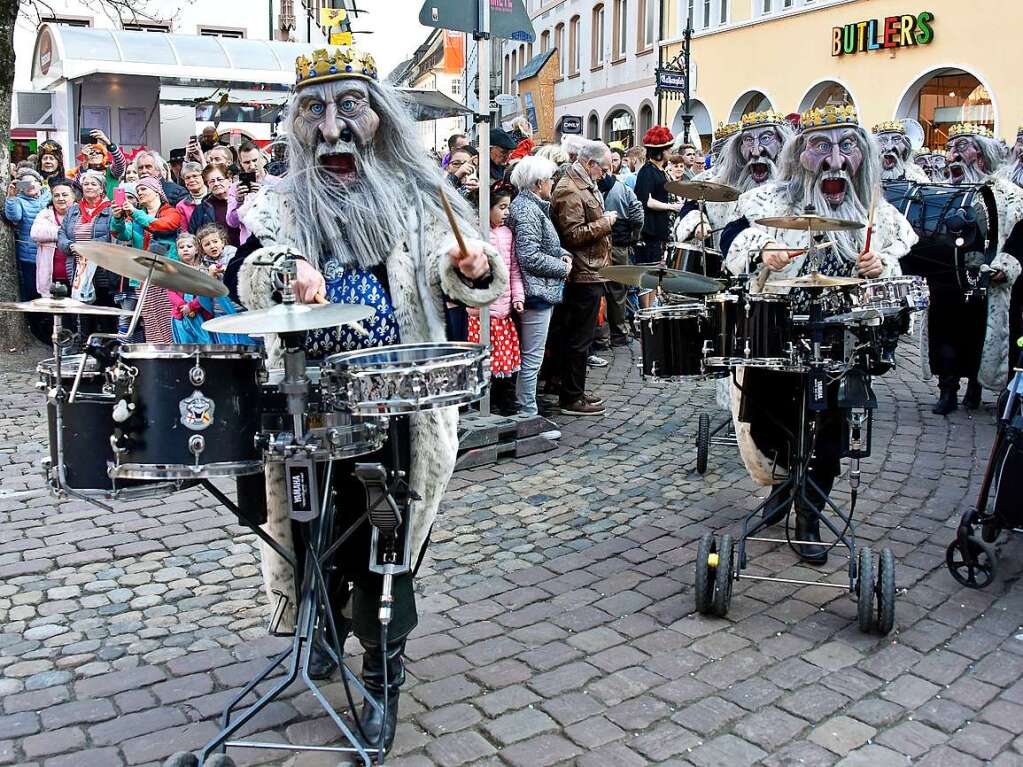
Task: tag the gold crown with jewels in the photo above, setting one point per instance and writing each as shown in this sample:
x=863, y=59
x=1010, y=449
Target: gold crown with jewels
x=334, y=64
x=830, y=116
x=761, y=119
x=726, y=130
x=969, y=129
x=890, y=126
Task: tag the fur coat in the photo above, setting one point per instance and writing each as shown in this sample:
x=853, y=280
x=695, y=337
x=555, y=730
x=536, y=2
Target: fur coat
x=994, y=359
x=892, y=239
x=419, y=279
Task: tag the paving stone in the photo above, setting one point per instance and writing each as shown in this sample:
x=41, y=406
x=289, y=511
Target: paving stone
x=459, y=748
x=980, y=740
x=519, y=725
x=841, y=734
x=726, y=749
x=541, y=751
x=911, y=738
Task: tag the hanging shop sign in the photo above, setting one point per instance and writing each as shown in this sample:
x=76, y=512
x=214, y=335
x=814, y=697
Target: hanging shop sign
x=904, y=31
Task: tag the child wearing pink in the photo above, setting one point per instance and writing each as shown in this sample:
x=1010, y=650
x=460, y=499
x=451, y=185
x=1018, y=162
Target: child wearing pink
x=505, y=358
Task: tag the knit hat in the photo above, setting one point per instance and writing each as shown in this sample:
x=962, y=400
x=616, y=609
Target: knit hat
x=22, y=172
x=153, y=185
x=99, y=176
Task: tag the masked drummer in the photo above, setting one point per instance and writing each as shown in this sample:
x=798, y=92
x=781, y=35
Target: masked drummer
x=355, y=164
x=896, y=151
x=933, y=164
x=832, y=165
x=968, y=335
x=749, y=158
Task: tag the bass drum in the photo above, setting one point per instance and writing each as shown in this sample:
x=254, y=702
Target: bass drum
x=188, y=411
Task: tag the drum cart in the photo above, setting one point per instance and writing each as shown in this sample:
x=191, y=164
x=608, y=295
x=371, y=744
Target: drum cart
x=722, y=435
x=971, y=558
x=720, y=561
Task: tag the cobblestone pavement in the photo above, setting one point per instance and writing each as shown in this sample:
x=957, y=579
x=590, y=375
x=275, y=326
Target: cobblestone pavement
x=557, y=611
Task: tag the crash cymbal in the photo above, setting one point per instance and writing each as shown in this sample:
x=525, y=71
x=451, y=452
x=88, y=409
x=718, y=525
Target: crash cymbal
x=653, y=276
x=289, y=318
x=46, y=305
x=810, y=222
x=816, y=280
x=708, y=191
x=135, y=265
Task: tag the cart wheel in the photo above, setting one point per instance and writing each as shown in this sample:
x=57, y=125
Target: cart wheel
x=885, y=591
x=865, y=589
x=723, y=577
x=705, y=573
x=702, y=444
x=973, y=567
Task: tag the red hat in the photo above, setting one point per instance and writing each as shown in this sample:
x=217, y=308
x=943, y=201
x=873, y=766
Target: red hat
x=658, y=137
x=524, y=149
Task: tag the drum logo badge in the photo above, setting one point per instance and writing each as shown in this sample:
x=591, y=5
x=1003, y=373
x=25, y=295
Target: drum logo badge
x=196, y=411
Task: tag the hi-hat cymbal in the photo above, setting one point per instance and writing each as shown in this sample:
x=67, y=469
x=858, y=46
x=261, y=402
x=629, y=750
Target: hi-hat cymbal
x=816, y=280
x=708, y=191
x=810, y=222
x=47, y=305
x=671, y=280
x=289, y=318
x=135, y=265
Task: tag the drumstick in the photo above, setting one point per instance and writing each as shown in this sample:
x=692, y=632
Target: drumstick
x=454, y=225
x=870, y=218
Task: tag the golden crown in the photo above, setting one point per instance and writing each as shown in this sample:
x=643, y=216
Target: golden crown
x=890, y=126
x=334, y=64
x=760, y=119
x=830, y=116
x=726, y=130
x=969, y=129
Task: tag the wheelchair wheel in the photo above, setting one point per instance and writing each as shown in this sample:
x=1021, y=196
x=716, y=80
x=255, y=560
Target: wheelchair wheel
x=885, y=592
x=972, y=561
x=865, y=589
x=702, y=444
x=705, y=573
x=723, y=577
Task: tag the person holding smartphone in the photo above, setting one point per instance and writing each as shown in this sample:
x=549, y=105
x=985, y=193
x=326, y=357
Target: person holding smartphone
x=26, y=198
x=100, y=154
x=252, y=177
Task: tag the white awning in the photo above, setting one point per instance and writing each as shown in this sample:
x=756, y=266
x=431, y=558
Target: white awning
x=72, y=52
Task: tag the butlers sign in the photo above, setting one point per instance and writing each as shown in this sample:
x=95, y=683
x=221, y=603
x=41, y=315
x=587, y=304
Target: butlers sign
x=904, y=31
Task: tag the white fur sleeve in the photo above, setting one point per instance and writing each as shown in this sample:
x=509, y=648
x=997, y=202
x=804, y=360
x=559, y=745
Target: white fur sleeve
x=686, y=225
x=256, y=283
x=746, y=247
x=894, y=237
x=451, y=283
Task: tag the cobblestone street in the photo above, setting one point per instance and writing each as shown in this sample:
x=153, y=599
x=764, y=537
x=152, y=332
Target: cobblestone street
x=557, y=621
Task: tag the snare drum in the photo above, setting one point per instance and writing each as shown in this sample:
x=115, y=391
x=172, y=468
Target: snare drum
x=193, y=411
x=336, y=434
x=719, y=346
x=405, y=378
x=672, y=339
x=892, y=294
x=763, y=332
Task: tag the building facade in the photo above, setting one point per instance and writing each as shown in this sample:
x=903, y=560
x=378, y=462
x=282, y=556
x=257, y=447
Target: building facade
x=438, y=65
x=607, y=57
x=938, y=63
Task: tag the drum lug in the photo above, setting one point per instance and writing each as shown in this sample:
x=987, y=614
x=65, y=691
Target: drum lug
x=196, y=445
x=197, y=376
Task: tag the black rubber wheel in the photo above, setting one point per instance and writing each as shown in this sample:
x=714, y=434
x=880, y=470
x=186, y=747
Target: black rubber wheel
x=704, y=574
x=702, y=444
x=865, y=589
x=885, y=592
x=723, y=577
x=974, y=568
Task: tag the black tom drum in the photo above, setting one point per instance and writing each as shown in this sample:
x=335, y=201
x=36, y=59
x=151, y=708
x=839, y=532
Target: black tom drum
x=672, y=338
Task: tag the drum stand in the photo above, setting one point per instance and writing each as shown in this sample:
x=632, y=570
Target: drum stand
x=718, y=564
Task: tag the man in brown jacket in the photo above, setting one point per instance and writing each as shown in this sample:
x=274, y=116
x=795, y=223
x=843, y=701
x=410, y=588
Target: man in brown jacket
x=577, y=209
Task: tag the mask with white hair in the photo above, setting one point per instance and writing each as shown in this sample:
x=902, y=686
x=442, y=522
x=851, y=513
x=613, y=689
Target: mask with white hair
x=750, y=158
x=895, y=148
x=1015, y=172
x=972, y=159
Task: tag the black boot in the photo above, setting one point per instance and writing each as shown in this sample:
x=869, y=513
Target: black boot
x=321, y=664
x=808, y=523
x=373, y=721
x=948, y=401
x=971, y=400
x=775, y=511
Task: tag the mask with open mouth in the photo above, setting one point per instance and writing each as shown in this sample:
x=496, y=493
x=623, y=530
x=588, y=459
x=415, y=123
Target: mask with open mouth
x=834, y=187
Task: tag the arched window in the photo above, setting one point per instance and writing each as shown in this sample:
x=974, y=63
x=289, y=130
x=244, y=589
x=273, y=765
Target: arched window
x=507, y=75
x=545, y=41
x=646, y=119
x=620, y=21
x=597, y=37
x=573, y=46
x=514, y=71
x=593, y=126
x=559, y=43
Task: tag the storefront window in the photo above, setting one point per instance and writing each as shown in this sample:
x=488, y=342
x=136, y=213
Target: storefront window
x=951, y=98
x=831, y=93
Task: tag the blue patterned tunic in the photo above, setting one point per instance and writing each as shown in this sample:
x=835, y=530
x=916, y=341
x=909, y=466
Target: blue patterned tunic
x=352, y=285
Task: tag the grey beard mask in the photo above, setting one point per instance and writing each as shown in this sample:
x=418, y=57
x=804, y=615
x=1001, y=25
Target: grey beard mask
x=897, y=171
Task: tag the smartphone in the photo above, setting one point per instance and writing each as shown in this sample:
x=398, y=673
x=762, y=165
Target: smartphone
x=247, y=178
x=85, y=136
x=119, y=197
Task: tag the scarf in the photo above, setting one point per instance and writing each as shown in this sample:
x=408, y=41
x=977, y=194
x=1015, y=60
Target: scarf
x=88, y=214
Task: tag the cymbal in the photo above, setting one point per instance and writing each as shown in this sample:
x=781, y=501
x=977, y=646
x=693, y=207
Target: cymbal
x=810, y=222
x=816, y=280
x=289, y=318
x=708, y=191
x=167, y=273
x=653, y=276
x=46, y=305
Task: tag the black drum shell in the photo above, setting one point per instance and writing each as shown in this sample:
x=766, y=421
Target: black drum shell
x=155, y=435
x=722, y=311
x=672, y=341
x=763, y=328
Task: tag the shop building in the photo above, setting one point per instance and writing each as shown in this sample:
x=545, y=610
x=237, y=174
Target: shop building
x=936, y=61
